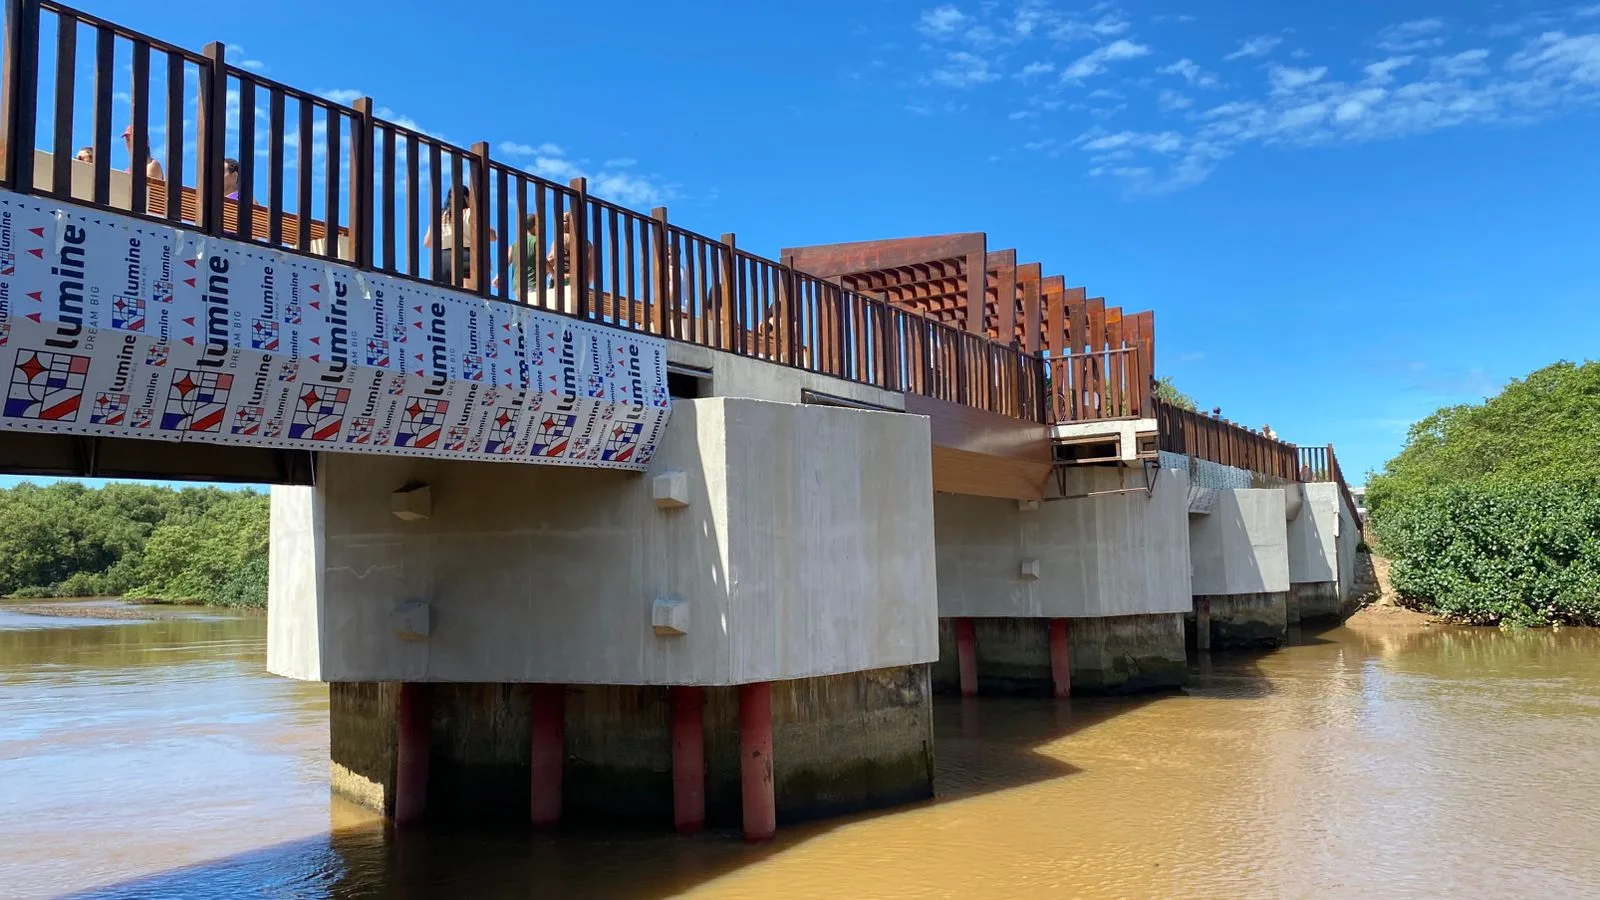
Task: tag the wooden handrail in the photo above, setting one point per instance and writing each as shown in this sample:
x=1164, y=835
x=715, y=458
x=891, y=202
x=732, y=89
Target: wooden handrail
x=624, y=268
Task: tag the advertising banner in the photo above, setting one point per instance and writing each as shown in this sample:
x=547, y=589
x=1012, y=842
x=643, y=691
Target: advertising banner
x=114, y=326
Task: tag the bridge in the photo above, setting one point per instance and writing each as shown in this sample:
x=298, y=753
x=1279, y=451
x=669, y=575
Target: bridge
x=581, y=513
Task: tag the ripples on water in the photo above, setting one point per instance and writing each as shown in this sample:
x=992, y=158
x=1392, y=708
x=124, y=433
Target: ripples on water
x=160, y=760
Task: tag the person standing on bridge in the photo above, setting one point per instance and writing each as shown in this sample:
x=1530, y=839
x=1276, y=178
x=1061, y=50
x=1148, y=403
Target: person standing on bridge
x=1267, y=430
x=524, y=281
x=230, y=179
x=152, y=169
x=457, y=254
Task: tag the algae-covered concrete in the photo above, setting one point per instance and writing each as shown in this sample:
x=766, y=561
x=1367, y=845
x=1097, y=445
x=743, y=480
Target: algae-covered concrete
x=1247, y=621
x=1127, y=654
x=1106, y=654
x=362, y=741
x=1316, y=600
x=805, y=549
x=841, y=743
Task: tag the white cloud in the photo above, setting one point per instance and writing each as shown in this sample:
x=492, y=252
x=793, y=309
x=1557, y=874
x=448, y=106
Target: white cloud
x=962, y=70
x=1384, y=100
x=624, y=162
x=236, y=56
x=1172, y=101
x=1461, y=65
x=1259, y=45
x=1036, y=68
x=1096, y=60
x=346, y=96
x=554, y=168
x=512, y=148
x=1383, y=72
x=1556, y=55
x=1419, y=34
x=629, y=189
x=1109, y=25
x=942, y=21
x=1286, y=79
x=1191, y=72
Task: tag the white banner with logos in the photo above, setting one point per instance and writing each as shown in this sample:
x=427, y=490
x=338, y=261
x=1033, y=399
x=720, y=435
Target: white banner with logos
x=118, y=327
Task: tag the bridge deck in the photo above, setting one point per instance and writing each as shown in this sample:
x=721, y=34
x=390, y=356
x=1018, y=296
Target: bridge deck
x=938, y=318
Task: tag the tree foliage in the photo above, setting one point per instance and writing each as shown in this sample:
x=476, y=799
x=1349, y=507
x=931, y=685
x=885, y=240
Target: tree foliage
x=1520, y=553
x=192, y=545
x=1545, y=426
x=1491, y=512
x=1168, y=392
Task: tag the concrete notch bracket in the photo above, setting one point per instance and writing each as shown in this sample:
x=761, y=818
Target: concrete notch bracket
x=412, y=503
x=412, y=620
x=1030, y=570
x=670, y=490
x=669, y=616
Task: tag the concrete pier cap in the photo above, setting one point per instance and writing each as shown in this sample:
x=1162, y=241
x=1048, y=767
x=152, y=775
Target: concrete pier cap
x=1094, y=580
x=803, y=547
x=1240, y=579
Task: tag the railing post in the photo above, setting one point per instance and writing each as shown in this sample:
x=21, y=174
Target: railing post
x=361, y=177
x=21, y=92
x=666, y=303
x=213, y=122
x=579, y=267
x=728, y=298
x=482, y=253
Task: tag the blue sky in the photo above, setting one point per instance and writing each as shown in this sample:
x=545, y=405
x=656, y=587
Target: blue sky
x=1344, y=215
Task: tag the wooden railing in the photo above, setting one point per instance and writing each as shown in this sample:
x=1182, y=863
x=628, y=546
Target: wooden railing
x=1108, y=384
x=1320, y=464
x=412, y=206
x=1193, y=434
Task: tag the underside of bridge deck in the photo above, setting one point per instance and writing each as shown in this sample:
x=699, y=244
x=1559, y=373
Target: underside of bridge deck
x=77, y=456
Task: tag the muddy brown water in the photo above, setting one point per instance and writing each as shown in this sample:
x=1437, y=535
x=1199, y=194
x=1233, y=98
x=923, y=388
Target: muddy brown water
x=158, y=759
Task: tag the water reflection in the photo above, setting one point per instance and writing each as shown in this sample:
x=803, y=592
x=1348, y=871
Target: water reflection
x=159, y=760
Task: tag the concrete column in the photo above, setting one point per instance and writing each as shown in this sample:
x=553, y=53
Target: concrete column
x=688, y=758
x=413, y=734
x=755, y=762
x=1202, y=623
x=967, y=656
x=548, y=748
x=1060, y=659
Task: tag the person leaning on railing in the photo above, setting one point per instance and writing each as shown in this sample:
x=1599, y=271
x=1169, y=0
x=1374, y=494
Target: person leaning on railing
x=457, y=254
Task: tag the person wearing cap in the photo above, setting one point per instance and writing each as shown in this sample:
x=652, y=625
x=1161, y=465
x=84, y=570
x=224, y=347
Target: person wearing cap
x=152, y=169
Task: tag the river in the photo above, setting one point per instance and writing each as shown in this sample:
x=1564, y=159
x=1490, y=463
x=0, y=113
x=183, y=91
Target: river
x=158, y=759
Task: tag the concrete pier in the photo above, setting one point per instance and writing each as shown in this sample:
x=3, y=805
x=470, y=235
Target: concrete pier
x=1322, y=548
x=536, y=622
x=1107, y=655
x=1082, y=592
x=1239, y=548
x=831, y=745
